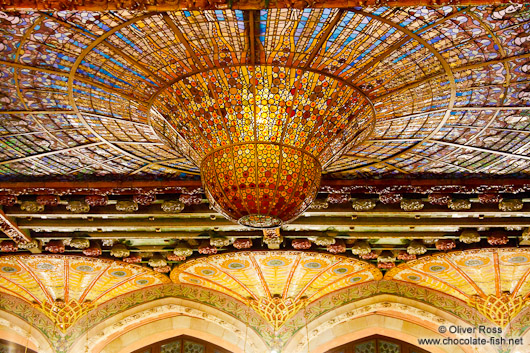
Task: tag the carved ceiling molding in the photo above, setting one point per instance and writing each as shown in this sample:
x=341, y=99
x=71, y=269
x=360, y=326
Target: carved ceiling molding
x=192, y=187
x=169, y=5
x=11, y=230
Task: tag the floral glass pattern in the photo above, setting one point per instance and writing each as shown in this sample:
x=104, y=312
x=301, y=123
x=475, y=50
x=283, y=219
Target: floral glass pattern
x=261, y=135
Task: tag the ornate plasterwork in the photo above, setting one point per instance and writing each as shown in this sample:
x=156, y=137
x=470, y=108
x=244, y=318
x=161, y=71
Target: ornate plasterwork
x=353, y=294
x=65, y=288
x=276, y=284
x=376, y=308
x=215, y=300
x=173, y=309
x=485, y=278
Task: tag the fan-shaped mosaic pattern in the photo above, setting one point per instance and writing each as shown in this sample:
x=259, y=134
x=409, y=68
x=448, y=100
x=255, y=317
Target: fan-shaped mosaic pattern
x=286, y=277
x=449, y=85
x=71, y=284
x=478, y=277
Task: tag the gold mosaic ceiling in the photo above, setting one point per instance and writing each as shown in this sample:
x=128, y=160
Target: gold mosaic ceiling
x=66, y=287
x=276, y=284
x=495, y=281
x=449, y=85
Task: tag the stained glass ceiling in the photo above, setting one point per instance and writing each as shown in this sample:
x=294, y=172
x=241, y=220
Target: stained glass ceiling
x=449, y=85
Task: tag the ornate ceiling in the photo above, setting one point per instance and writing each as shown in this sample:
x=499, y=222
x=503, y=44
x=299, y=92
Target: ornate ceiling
x=67, y=287
x=98, y=156
x=488, y=279
x=277, y=284
x=448, y=84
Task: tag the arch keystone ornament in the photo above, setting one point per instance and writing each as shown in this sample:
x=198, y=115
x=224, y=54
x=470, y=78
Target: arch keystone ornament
x=277, y=310
x=261, y=135
x=499, y=310
x=65, y=314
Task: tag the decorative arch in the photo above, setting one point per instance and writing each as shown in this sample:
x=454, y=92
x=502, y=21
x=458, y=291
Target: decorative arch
x=441, y=302
x=402, y=318
x=16, y=330
x=165, y=318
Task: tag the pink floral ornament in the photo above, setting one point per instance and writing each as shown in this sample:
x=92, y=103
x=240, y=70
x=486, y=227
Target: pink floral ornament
x=336, y=198
x=301, y=244
x=8, y=200
x=439, y=199
x=162, y=269
x=8, y=246
x=190, y=200
x=338, y=247
x=498, y=239
x=404, y=256
x=48, y=200
x=445, y=244
x=489, y=198
x=390, y=197
x=93, y=250
x=144, y=199
x=206, y=249
x=173, y=257
x=133, y=259
x=386, y=265
x=242, y=243
x=96, y=200
x=370, y=256
x=55, y=246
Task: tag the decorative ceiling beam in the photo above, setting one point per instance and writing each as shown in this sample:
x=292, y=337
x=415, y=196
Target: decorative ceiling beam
x=11, y=229
x=50, y=153
x=316, y=223
x=172, y=186
x=170, y=5
x=479, y=149
x=204, y=212
x=243, y=234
